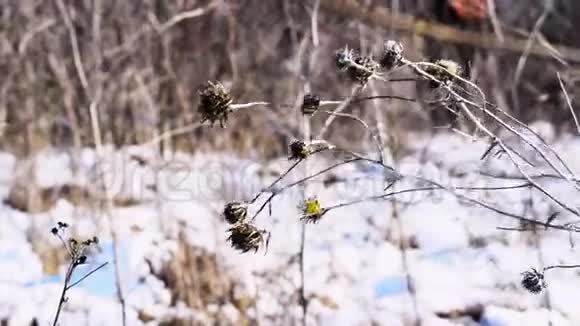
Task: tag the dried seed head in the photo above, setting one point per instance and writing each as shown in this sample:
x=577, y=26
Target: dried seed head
x=62, y=225
x=392, y=55
x=245, y=237
x=443, y=71
x=299, y=150
x=344, y=58
x=81, y=260
x=311, y=210
x=214, y=103
x=359, y=68
x=364, y=69
x=451, y=66
x=533, y=281
x=54, y=231
x=310, y=104
x=235, y=212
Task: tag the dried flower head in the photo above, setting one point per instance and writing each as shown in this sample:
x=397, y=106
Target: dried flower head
x=359, y=68
x=91, y=241
x=533, y=281
x=392, y=55
x=81, y=260
x=443, y=71
x=76, y=249
x=214, y=103
x=364, y=69
x=310, y=104
x=235, y=212
x=344, y=58
x=311, y=210
x=245, y=237
x=299, y=150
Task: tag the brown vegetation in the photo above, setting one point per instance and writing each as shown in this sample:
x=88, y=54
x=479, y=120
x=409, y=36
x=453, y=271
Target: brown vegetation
x=142, y=62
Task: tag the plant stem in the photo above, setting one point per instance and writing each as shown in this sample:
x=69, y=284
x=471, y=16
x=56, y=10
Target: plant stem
x=65, y=288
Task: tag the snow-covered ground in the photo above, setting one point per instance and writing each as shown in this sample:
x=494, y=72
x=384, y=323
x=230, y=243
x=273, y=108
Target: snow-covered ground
x=457, y=258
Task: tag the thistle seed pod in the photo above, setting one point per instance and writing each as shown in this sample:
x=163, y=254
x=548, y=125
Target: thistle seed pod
x=533, y=281
x=310, y=104
x=392, y=55
x=81, y=260
x=214, y=103
x=235, y=212
x=344, y=58
x=299, y=150
x=364, y=69
x=359, y=68
x=245, y=237
x=443, y=72
x=311, y=210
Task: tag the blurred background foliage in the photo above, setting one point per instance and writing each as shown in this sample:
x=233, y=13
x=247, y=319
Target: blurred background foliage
x=142, y=62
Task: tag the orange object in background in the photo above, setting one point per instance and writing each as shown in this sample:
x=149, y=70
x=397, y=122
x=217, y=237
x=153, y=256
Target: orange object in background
x=469, y=9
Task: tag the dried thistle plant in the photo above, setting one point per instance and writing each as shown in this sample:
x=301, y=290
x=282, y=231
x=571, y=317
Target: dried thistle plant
x=235, y=212
x=245, y=237
x=311, y=210
x=533, y=281
x=310, y=104
x=344, y=58
x=214, y=103
x=359, y=68
x=392, y=55
x=443, y=71
x=299, y=150
x=77, y=252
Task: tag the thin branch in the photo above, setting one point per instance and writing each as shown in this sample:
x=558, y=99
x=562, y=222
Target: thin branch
x=29, y=35
x=75, y=46
x=187, y=15
x=87, y=275
x=62, y=298
x=547, y=268
x=271, y=186
x=339, y=109
x=529, y=43
x=568, y=102
x=374, y=136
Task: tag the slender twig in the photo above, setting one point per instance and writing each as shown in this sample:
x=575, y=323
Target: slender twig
x=569, y=103
x=74, y=44
x=29, y=35
x=187, y=15
x=529, y=43
x=62, y=298
x=87, y=275
x=271, y=186
x=339, y=109
x=375, y=136
x=547, y=268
